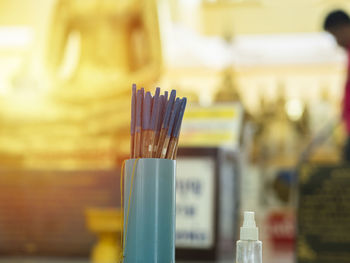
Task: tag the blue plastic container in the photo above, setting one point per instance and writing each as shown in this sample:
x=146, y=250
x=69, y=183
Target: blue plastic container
x=149, y=228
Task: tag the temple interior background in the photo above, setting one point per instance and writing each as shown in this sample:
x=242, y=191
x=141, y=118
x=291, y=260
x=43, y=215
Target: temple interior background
x=66, y=70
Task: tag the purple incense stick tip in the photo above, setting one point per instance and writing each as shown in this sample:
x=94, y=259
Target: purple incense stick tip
x=157, y=93
x=155, y=111
x=176, y=132
x=146, y=118
x=133, y=110
x=139, y=99
x=160, y=114
x=173, y=117
x=169, y=108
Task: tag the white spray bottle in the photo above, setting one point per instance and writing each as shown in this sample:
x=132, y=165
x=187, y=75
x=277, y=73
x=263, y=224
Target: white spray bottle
x=249, y=248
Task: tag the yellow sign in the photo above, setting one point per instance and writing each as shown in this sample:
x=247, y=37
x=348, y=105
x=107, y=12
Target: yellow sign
x=217, y=125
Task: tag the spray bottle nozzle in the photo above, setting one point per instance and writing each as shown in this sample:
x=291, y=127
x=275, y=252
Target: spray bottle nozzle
x=249, y=231
x=249, y=220
x=249, y=248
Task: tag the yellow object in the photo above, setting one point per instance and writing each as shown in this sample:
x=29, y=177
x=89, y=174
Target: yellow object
x=217, y=125
x=116, y=43
x=237, y=17
x=107, y=224
x=129, y=199
x=71, y=109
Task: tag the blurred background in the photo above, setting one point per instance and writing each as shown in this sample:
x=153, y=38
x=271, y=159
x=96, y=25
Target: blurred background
x=264, y=85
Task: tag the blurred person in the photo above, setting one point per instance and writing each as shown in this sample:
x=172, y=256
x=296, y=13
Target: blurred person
x=337, y=23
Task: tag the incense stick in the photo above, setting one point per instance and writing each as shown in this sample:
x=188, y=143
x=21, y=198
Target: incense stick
x=165, y=124
x=170, y=128
x=155, y=123
x=137, y=143
x=146, y=125
x=159, y=121
x=173, y=144
x=155, y=116
x=133, y=120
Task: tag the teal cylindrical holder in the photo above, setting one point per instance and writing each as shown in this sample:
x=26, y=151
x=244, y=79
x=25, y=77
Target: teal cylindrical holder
x=149, y=222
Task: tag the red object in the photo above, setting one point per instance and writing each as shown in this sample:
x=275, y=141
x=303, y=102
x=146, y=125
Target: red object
x=346, y=99
x=281, y=230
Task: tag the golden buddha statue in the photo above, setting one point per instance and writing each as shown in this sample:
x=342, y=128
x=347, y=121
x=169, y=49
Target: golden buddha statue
x=95, y=50
x=118, y=44
x=228, y=91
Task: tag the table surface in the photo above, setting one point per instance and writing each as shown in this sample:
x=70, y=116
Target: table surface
x=52, y=260
x=281, y=259
x=268, y=257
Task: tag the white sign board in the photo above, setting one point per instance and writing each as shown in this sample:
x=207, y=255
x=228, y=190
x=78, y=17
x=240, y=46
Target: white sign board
x=195, y=202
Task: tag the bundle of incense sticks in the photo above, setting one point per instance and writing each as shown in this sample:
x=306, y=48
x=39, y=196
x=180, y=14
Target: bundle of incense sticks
x=155, y=123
